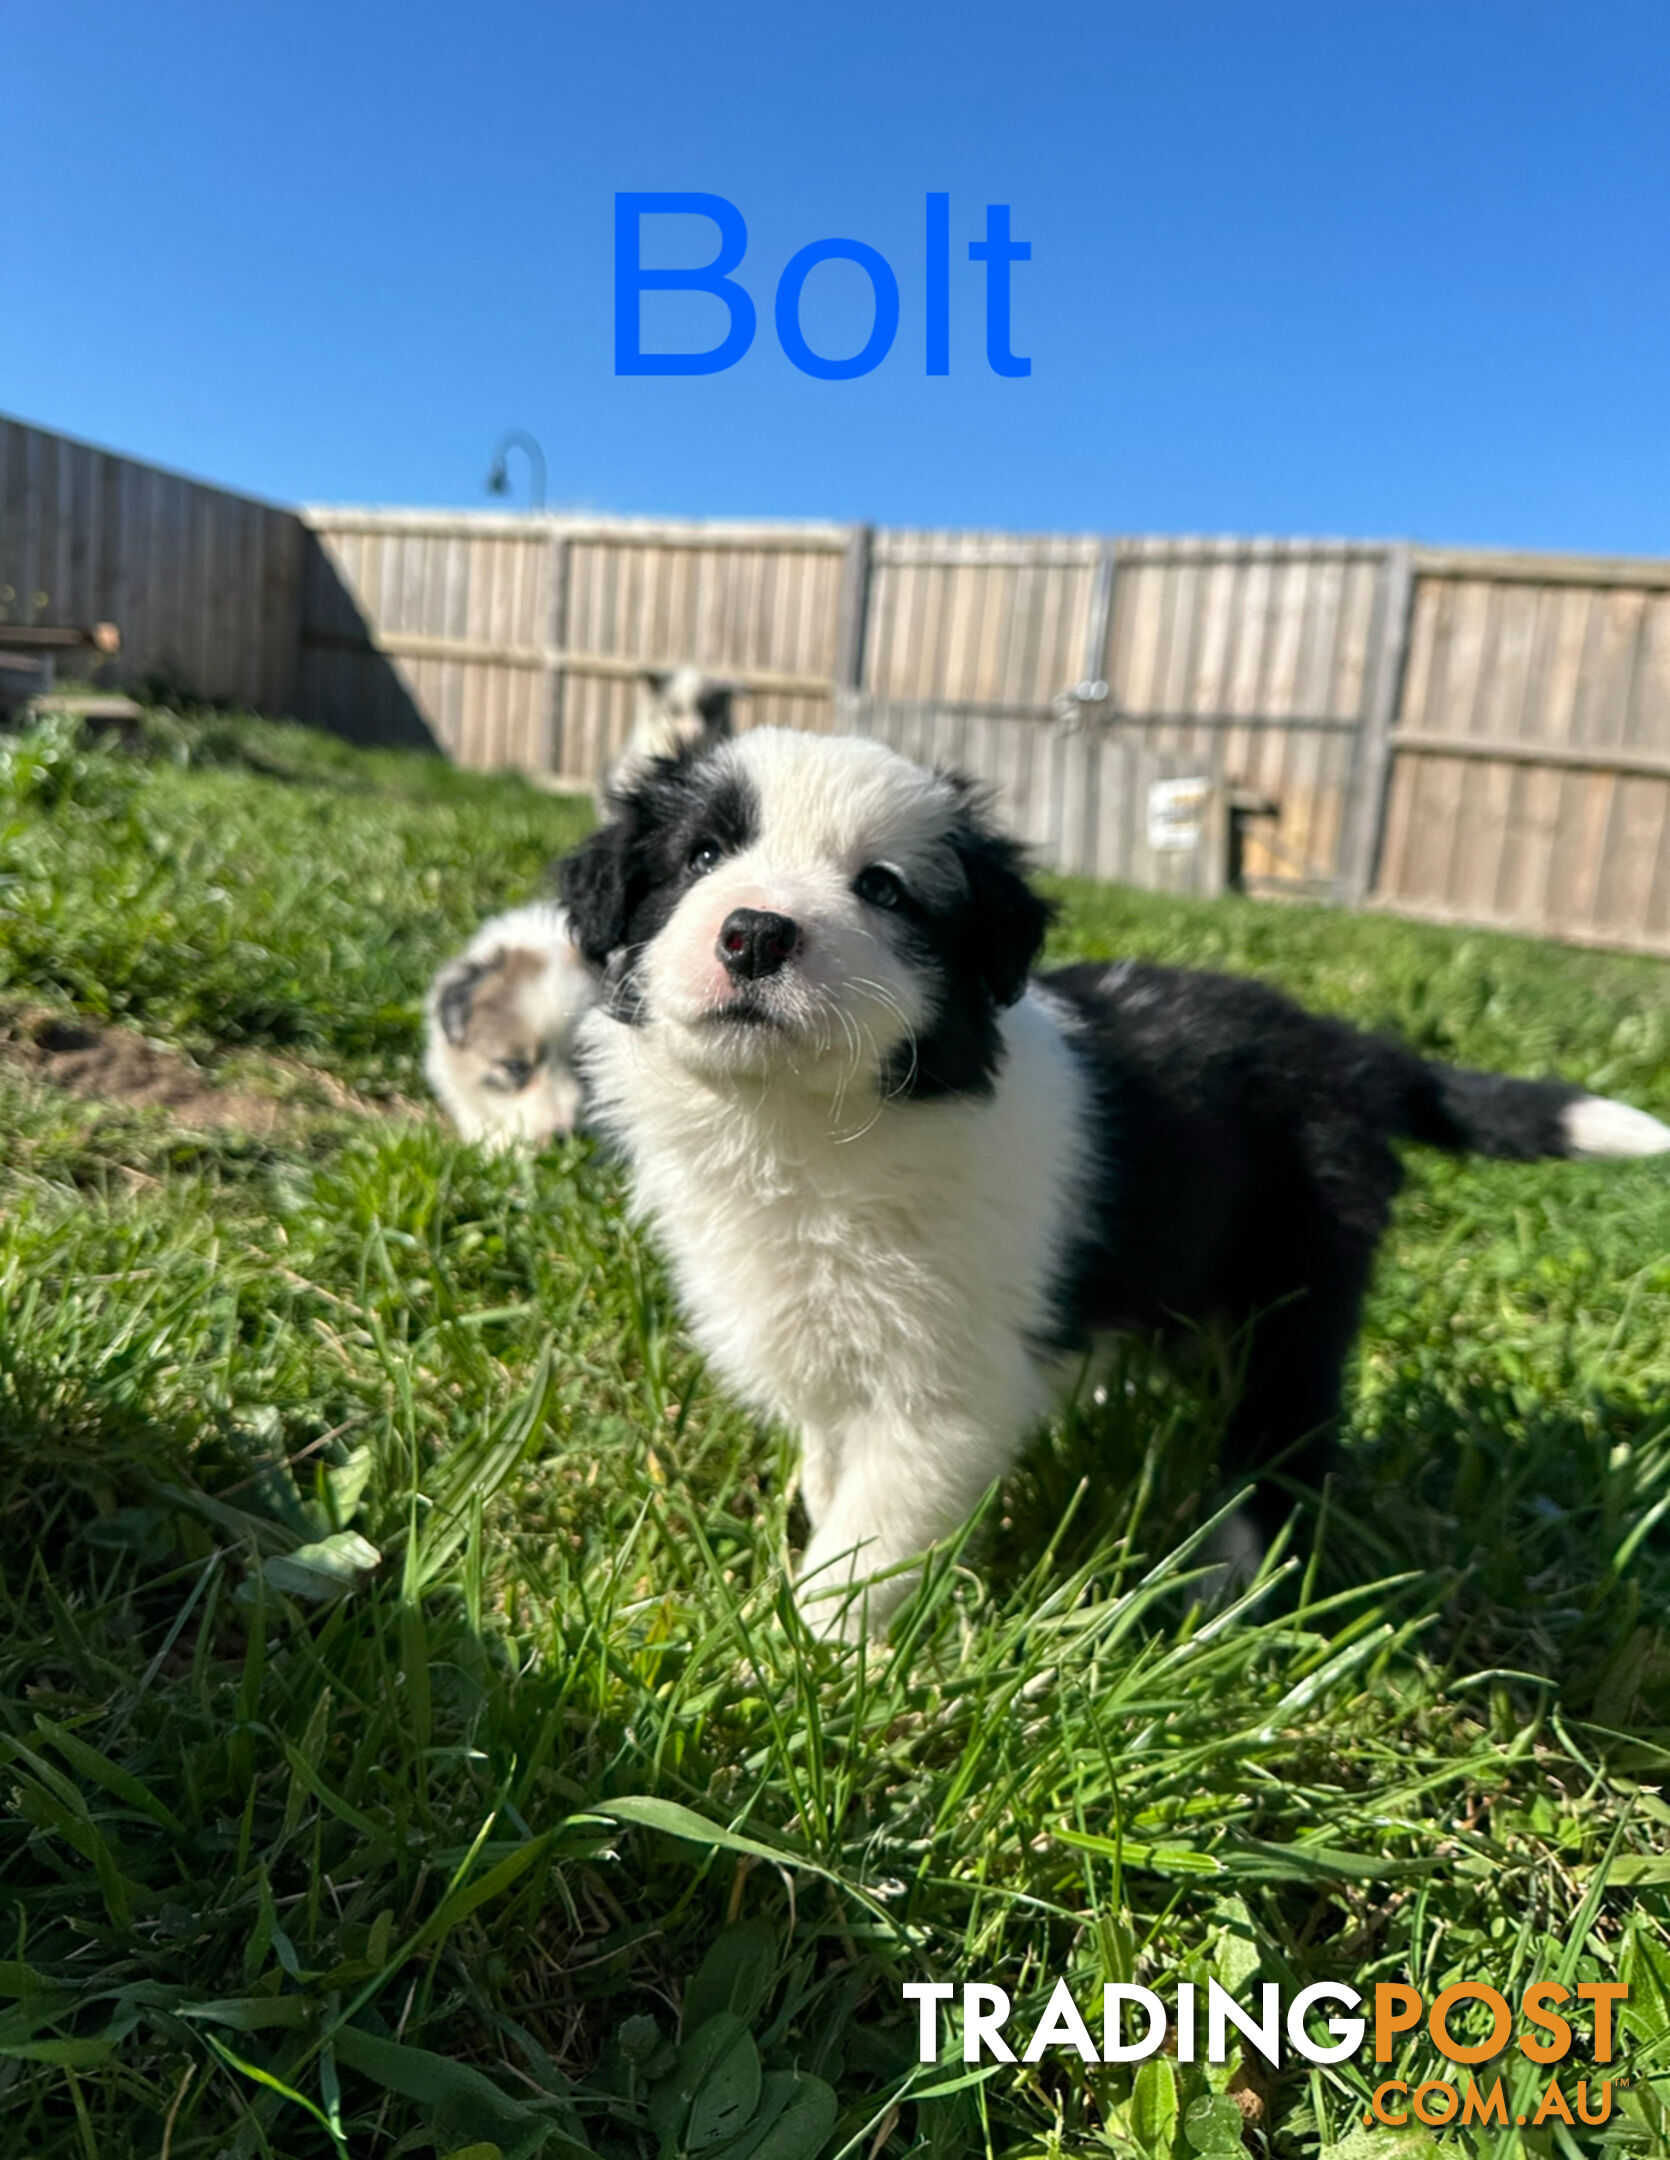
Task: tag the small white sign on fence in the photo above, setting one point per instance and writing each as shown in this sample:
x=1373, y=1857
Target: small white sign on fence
x=1176, y=814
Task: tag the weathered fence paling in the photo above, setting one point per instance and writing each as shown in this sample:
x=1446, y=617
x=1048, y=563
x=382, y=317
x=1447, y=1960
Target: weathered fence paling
x=203, y=583
x=1531, y=779
x=1473, y=736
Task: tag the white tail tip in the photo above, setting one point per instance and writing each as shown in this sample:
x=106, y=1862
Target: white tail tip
x=1596, y=1127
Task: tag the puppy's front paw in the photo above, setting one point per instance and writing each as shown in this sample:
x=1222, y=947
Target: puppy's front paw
x=841, y=1603
x=838, y=1613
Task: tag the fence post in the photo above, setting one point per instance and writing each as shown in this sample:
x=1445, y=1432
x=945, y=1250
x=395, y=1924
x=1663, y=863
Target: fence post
x=556, y=643
x=1366, y=817
x=852, y=620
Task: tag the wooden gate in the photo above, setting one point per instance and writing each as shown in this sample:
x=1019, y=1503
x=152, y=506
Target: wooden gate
x=1198, y=712
x=1082, y=798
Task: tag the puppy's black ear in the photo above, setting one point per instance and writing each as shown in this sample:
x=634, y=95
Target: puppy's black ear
x=1010, y=919
x=454, y=993
x=714, y=705
x=593, y=884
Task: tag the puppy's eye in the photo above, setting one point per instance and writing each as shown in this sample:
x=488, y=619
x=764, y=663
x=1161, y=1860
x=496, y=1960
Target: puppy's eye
x=515, y=1072
x=706, y=855
x=879, y=886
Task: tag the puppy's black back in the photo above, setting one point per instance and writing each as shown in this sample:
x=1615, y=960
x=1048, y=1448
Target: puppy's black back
x=1247, y=1175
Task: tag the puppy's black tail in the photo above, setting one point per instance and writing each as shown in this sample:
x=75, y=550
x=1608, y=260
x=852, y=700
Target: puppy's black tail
x=1484, y=1113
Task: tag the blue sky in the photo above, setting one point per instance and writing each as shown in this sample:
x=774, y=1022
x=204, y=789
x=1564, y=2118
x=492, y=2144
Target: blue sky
x=1355, y=268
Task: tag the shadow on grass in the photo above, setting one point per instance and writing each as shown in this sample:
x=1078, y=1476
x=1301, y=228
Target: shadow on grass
x=484, y=1817
x=1526, y=1524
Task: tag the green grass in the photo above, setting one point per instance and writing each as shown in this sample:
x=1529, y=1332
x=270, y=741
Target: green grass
x=407, y=1742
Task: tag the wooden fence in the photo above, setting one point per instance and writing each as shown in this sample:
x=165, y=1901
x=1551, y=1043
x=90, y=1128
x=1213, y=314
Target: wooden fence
x=1083, y=674
x=518, y=640
x=201, y=583
x=1530, y=774
x=1479, y=738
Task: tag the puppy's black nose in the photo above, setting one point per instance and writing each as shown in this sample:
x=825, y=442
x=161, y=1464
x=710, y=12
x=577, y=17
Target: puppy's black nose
x=753, y=942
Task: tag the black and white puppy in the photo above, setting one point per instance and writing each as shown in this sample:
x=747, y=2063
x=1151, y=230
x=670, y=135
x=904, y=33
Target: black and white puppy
x=903, y=1184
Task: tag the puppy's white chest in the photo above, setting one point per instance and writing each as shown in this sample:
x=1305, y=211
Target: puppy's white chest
x=834, y=1272
x=817, y=1302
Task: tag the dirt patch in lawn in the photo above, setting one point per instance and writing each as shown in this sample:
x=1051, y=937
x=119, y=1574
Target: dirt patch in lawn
x=106, y=1063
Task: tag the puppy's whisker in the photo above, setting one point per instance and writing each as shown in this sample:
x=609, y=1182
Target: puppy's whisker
x=890, y=1003
x=827, y=1007
x=881, y=1099
x=855, y=1043
x=856, y=1050
x=847, y=1138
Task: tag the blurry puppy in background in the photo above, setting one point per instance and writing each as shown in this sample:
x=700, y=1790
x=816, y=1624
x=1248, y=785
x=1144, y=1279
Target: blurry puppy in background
x=501, y=1021
x=502, y=1015
x=678, y=709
